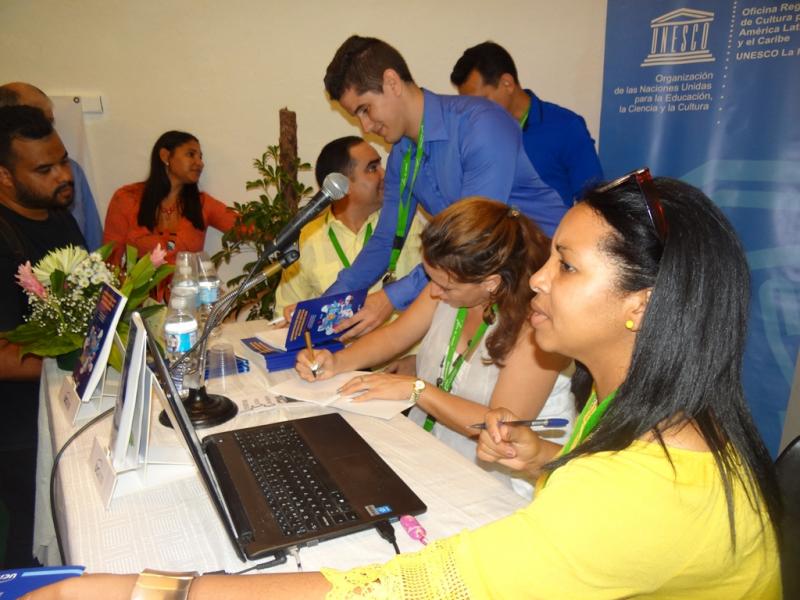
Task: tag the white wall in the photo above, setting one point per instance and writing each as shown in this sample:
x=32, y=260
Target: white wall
x=221, y=70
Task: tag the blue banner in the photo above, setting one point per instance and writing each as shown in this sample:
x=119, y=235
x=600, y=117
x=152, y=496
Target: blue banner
x=708, y=91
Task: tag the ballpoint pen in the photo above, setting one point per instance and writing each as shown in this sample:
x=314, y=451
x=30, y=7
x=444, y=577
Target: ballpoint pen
x=314, y=365
x=536, y=423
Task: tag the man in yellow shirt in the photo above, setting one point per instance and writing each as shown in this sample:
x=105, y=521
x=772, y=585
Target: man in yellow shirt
x=332, y=241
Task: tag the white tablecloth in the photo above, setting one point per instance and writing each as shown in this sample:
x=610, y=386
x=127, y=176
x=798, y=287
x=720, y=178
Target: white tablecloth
x=175, y=527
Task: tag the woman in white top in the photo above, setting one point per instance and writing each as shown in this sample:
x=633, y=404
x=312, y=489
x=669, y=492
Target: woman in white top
x=477, y=348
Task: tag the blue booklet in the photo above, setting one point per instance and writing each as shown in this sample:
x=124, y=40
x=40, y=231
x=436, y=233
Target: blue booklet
x=18, y=582
x=275, y=360
x=320, y=316
x=98, y=341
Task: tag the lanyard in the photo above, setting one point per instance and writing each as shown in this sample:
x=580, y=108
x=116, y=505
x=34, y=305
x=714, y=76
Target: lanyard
x=338, y=247
x=451, y=367
x=586, y=422
x=524, y=118
x=404, y=205
x=588, y=419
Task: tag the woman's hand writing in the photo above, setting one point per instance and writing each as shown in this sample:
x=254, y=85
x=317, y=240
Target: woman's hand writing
x=324, y=361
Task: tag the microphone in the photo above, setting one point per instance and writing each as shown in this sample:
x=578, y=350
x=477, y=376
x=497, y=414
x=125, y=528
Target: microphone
x=333, y=188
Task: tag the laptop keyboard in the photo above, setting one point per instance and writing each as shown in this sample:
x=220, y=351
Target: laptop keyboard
x=300, y=493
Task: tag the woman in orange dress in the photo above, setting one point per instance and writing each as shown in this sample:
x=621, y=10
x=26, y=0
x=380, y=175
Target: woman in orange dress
x=167, y=208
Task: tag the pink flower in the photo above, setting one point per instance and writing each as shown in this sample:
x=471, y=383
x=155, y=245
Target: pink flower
x=158, y=256
x=27, y=280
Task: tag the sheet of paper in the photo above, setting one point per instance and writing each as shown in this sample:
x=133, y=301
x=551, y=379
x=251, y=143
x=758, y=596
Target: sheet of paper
x=324, y=393
x=274, y=338
x=382, y=409
x=249, y=390
x=321, y=392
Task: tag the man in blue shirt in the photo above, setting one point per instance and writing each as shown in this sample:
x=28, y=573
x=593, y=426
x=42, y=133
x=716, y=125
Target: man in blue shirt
x=445, y=148
x=83, y=207
x=555, y=138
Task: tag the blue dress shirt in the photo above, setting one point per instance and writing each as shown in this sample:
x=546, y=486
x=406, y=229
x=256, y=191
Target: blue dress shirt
x=84, y=209
x=472, y=147
x=561, y=148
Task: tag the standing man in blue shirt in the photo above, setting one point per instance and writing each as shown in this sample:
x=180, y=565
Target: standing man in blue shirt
x=445, y=148
x=556, y=139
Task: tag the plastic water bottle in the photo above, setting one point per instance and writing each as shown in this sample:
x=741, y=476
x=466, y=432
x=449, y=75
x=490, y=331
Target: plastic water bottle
x=180, y=334
x=185, y=277
x=208, y=291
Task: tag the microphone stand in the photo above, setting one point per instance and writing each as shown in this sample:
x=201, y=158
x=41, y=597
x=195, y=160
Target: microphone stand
x=208, y=410
x=204, y=409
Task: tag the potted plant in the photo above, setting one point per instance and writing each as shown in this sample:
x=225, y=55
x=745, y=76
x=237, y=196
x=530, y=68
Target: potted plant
x=258, y=223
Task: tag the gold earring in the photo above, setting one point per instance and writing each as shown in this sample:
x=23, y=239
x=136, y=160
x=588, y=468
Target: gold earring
x=629, y=324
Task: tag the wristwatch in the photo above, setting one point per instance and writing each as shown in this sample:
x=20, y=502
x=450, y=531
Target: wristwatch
x=162, y=585
x=419, y=385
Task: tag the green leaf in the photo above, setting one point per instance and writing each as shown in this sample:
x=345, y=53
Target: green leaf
x=57, y=279
x=105, y=250
x=131, y=254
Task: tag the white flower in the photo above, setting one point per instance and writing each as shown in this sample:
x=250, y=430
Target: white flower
x=64, y=259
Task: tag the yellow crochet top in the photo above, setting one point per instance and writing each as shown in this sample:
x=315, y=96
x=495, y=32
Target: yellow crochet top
x=608, y=525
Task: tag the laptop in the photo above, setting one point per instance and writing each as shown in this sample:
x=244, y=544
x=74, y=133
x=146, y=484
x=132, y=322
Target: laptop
x=292, y=483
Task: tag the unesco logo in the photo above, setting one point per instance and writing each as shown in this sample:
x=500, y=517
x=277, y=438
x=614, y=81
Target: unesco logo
x=680, y=37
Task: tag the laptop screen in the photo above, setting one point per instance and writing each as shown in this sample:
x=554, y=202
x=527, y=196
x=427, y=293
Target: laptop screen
x=180, y=420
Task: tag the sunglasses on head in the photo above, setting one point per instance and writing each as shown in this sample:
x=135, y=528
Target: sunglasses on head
x=649, y=193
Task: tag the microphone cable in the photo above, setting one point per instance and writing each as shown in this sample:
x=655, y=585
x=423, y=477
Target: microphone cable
x=56, y=460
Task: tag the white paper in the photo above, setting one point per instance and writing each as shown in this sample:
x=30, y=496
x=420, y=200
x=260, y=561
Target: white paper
x=274, y=338
x=324, y=393
x=382, y=409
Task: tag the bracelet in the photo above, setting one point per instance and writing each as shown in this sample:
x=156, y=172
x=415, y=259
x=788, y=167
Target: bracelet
x=162, y=585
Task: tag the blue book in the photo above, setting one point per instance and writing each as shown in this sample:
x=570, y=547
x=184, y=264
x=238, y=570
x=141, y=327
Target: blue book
x=320, y=316
x=276, y=360
x=18, y=582
x=98, y=341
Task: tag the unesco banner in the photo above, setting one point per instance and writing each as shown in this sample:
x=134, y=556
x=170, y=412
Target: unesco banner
x=708, y=91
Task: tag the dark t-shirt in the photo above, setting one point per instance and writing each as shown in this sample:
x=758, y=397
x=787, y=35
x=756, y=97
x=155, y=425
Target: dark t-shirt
x=24, y=239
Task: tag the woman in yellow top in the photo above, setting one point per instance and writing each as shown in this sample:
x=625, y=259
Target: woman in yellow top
x=666, y=490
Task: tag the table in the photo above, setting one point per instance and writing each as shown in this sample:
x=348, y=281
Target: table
x=175, y=527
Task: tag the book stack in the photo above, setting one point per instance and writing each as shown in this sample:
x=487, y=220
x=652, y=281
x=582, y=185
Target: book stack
x=277, y=349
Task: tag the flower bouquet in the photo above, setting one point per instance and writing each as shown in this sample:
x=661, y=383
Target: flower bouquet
x=62, y=291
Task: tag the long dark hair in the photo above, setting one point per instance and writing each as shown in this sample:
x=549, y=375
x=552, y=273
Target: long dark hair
x=477, y=237
x=157, y=185
x=687, y=359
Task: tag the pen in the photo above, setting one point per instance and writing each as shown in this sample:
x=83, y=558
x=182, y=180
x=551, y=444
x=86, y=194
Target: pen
x=314, y=365
x=538, y=423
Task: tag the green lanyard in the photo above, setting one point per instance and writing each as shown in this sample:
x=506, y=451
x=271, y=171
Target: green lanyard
x=403, y=206
x=338, y=247
x=451, y=367
x=524, y=118
x=586, y=422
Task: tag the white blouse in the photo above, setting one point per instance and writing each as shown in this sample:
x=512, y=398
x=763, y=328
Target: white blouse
x=475, y=381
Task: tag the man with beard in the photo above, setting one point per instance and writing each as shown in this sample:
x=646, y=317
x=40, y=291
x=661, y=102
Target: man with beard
x=83, y=206
x=36, y=189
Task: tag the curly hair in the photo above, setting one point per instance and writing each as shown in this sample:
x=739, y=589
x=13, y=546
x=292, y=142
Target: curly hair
x=477, y=237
